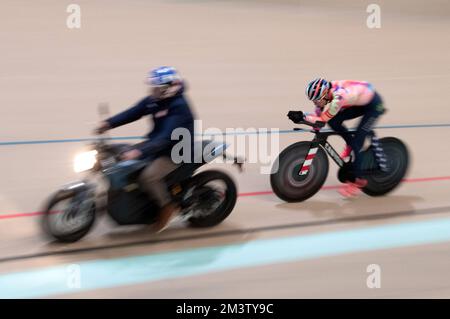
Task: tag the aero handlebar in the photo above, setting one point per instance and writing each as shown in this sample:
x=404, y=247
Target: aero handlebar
x=299, y=118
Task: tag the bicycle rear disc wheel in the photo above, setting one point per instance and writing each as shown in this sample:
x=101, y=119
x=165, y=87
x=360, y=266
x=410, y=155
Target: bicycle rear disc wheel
x=397, y=160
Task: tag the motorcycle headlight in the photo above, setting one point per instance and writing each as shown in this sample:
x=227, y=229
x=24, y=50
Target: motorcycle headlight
x=85, y=161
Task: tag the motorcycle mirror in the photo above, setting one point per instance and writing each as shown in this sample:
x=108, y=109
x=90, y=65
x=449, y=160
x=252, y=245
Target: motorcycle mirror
x=103, y=110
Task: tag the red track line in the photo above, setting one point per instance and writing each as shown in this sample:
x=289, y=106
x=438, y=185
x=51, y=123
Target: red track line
x=9, y=216
x=426, y=179
x=255, y=193
x=329, y=187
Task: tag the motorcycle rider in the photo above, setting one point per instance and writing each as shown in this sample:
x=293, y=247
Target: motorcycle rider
x=338, y=101
x=167, y=106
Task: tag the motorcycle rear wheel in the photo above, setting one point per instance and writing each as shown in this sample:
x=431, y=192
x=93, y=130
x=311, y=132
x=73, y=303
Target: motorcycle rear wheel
x=211, y=206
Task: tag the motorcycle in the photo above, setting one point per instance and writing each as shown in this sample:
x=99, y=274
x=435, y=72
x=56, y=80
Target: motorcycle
x=71, y=212
x=302, y=168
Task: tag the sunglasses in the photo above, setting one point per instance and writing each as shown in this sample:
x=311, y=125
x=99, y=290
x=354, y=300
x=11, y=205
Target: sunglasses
x=324, y=97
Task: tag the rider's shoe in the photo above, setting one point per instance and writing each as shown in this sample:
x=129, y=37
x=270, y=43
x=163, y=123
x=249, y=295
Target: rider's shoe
x=166, y=215
x=346, y=152
x=353, y=189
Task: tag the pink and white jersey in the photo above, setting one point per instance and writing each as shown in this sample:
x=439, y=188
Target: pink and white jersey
x=347, y=93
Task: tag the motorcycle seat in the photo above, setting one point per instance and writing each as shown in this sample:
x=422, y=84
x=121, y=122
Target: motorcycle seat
x=204, y=152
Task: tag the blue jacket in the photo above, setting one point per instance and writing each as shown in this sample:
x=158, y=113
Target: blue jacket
x=167, y=114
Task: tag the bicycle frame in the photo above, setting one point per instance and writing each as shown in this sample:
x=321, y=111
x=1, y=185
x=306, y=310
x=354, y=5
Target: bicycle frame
x=321, y=140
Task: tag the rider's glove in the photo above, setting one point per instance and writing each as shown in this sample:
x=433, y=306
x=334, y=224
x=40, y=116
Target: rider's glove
x=296, y=116
x=102, y=128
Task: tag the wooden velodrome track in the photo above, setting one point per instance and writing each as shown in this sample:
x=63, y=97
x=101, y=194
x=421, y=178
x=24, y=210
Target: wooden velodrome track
x=247, y=63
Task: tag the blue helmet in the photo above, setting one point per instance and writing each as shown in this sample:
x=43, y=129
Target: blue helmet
x=163, y=75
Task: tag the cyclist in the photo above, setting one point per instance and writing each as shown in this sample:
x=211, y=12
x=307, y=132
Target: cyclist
x=338, y=101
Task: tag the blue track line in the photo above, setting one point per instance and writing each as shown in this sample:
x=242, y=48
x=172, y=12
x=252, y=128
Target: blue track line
x=125, y=138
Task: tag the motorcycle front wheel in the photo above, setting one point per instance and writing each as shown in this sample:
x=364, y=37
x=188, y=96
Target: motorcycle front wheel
x=68, y=217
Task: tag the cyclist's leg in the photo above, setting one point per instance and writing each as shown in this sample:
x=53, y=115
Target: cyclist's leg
x=336, y=123
x=365, y=126
x=371, y=113
x=353, y=188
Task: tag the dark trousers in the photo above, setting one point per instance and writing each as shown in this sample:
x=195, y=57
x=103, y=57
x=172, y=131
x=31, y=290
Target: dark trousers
x=369, y=114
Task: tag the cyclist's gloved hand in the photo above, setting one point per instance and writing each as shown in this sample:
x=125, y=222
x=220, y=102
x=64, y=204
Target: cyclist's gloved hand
x=296, y=116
